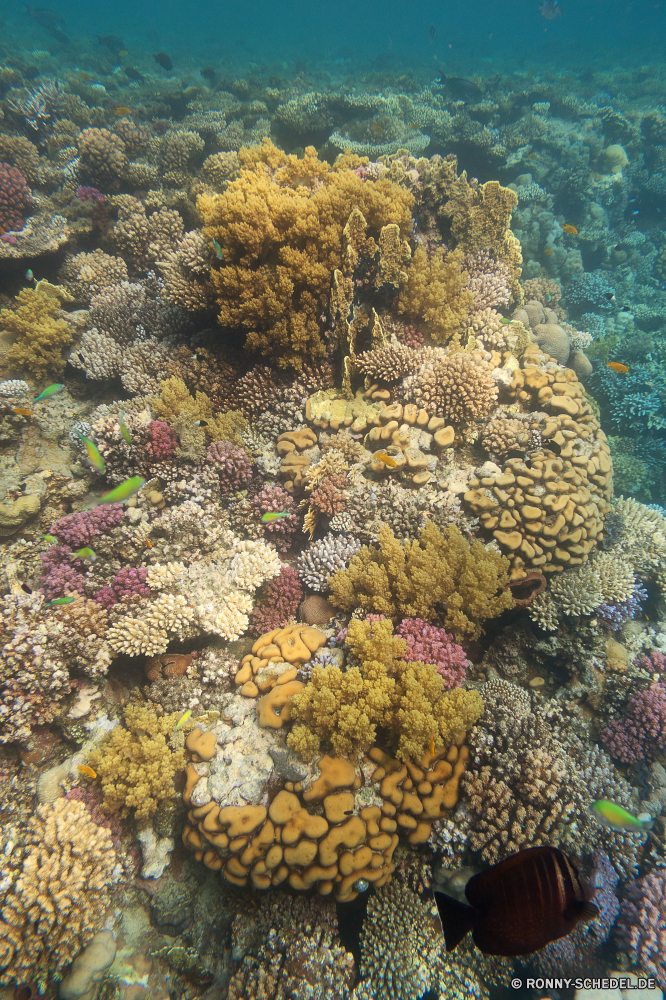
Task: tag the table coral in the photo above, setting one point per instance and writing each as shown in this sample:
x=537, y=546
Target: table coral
x=280, y=226
x=59, y=898
x=412, y=580
x=38, y=336
x=136, y=763
x=406, y=700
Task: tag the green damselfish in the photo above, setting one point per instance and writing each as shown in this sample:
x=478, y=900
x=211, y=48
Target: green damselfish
x=273, y=515
x=120, y=493
x=50, y=391
x=616, y=817
x=94, y=456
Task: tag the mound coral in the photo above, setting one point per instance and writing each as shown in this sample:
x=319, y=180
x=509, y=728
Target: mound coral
x=39, y=336
x=440, y=573
x=280, y=226
x=137, y=762
x=406, y=700
x=15, y=198
x=58, y=901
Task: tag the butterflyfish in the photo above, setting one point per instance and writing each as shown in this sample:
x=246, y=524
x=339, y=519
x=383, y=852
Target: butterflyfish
x=50, y=390
x=273, y=515
x=518, y=906
x=94, y=456
x=122, y=492
x=86, y=771
x=618, y=367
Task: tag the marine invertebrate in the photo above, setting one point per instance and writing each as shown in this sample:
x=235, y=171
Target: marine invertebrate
x=137, y=762
x=456, y=386
x=641, y=733
x=277, y=601
x=15, y=198
x=407, y=699
x=641, y=925
x=324, y=558
x=437, y=292
x=280, y=226
x=87, y=274
x=231, y=464
x=433, y=645
x=102, y=158
x=39, y=336
x=59, y=897
x=80, y=529
x=127, y=582
x=274, y=499
x=465, y=579
x=162, y=441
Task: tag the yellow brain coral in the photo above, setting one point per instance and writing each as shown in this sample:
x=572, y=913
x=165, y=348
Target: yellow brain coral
x=280, y=226
x=406, y=701
x=439, y=572
x=137, y=763
x=39, y=337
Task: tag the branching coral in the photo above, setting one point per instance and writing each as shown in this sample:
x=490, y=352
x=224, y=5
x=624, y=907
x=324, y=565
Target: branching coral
x=137, y=762
x=58, y=900
x=280, y=228
x=405, y=700
x=438, y=293
x=457, y=386
x=39, y=336
x=439, y=573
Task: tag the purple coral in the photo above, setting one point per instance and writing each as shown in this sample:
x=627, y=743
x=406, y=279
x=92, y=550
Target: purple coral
x=654, y=662
x=613, y=616
x=58, y=576
x=78, y=530
x=641, y=926
x=430, y=644
x=162, y=441
x=642, y=731
x=282, y=531
x=15, y=198
x=278, y=601
x=231, y=464
x=125, y=583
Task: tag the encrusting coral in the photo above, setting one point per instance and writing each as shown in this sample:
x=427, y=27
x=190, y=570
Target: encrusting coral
x=58, y=901
x=280, y=227
x=439, y=570
x=136, y=763
x=406, y=701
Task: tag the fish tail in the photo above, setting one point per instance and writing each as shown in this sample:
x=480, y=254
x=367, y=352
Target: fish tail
x=457, y=919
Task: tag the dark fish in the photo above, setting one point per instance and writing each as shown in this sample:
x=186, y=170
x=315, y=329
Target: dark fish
x=47, y=18
x=550, y=9
x=432, y=33
x=461, y=89
x=112, y=43
x=162, y=59
x=208, y=73
x=519, y=905
x=132, y=74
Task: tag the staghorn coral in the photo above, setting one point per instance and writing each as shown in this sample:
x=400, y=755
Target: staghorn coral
x=60, y=896
x=388, y=364
x=280, y=228
x=438, y=293
x=407, y=700
x=136, y=763
x=456, y=386
x=440, y=569
x=38, y=336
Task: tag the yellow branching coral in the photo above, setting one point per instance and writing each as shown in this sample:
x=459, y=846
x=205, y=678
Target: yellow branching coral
x=174, y=400
x=280, y=226
x=39, y=337
x=437, y=292
x=406, y=702
x=137, y=763
x=439, y=573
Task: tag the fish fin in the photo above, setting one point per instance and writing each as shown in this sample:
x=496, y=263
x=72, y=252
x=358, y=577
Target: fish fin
x=582, y=912
x=457, y=919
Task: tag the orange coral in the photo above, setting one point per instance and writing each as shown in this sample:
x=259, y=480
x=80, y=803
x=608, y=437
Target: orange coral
x=280, y=226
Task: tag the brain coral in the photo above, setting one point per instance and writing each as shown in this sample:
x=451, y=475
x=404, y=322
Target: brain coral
x=280, y=226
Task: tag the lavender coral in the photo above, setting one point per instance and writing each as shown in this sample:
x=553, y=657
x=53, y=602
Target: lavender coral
x=80, y=529
x=274, y=499
x=15, y=198
x=126, y=583
x=277, y=601
x=641, y=926
x=231, y=463
x=162, y=441
x=434, y=645
x=641, y=734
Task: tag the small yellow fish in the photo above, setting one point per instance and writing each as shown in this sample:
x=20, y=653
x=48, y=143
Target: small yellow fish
x=567, y=228
x=22, y=412
x=548, y=252
x=532, y=156
x=183, y=719
x=121, y=111
x=617, y=366
x=123, y=52
x=432, y=744
x=388, y=461
x=149, y=545
x=86, y=771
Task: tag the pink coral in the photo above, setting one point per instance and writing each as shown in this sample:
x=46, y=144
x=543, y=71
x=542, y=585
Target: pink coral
x=276, y=499
x=430, y=644
x=328, y=498
x=642, y=731
x=278, y=601
x=15, y=198
x=654, y=662
x=78, y=530
x=231, y=464
x=641, y=926
x=162, y=441
x=125, y=583
x=411, y=337
x=58, y=576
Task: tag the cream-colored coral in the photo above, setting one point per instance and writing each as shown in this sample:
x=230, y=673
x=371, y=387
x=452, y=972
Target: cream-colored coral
x=58, y=901
x=163, y=575
x=253, y=564
x=232, y=620
x=149, y=635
